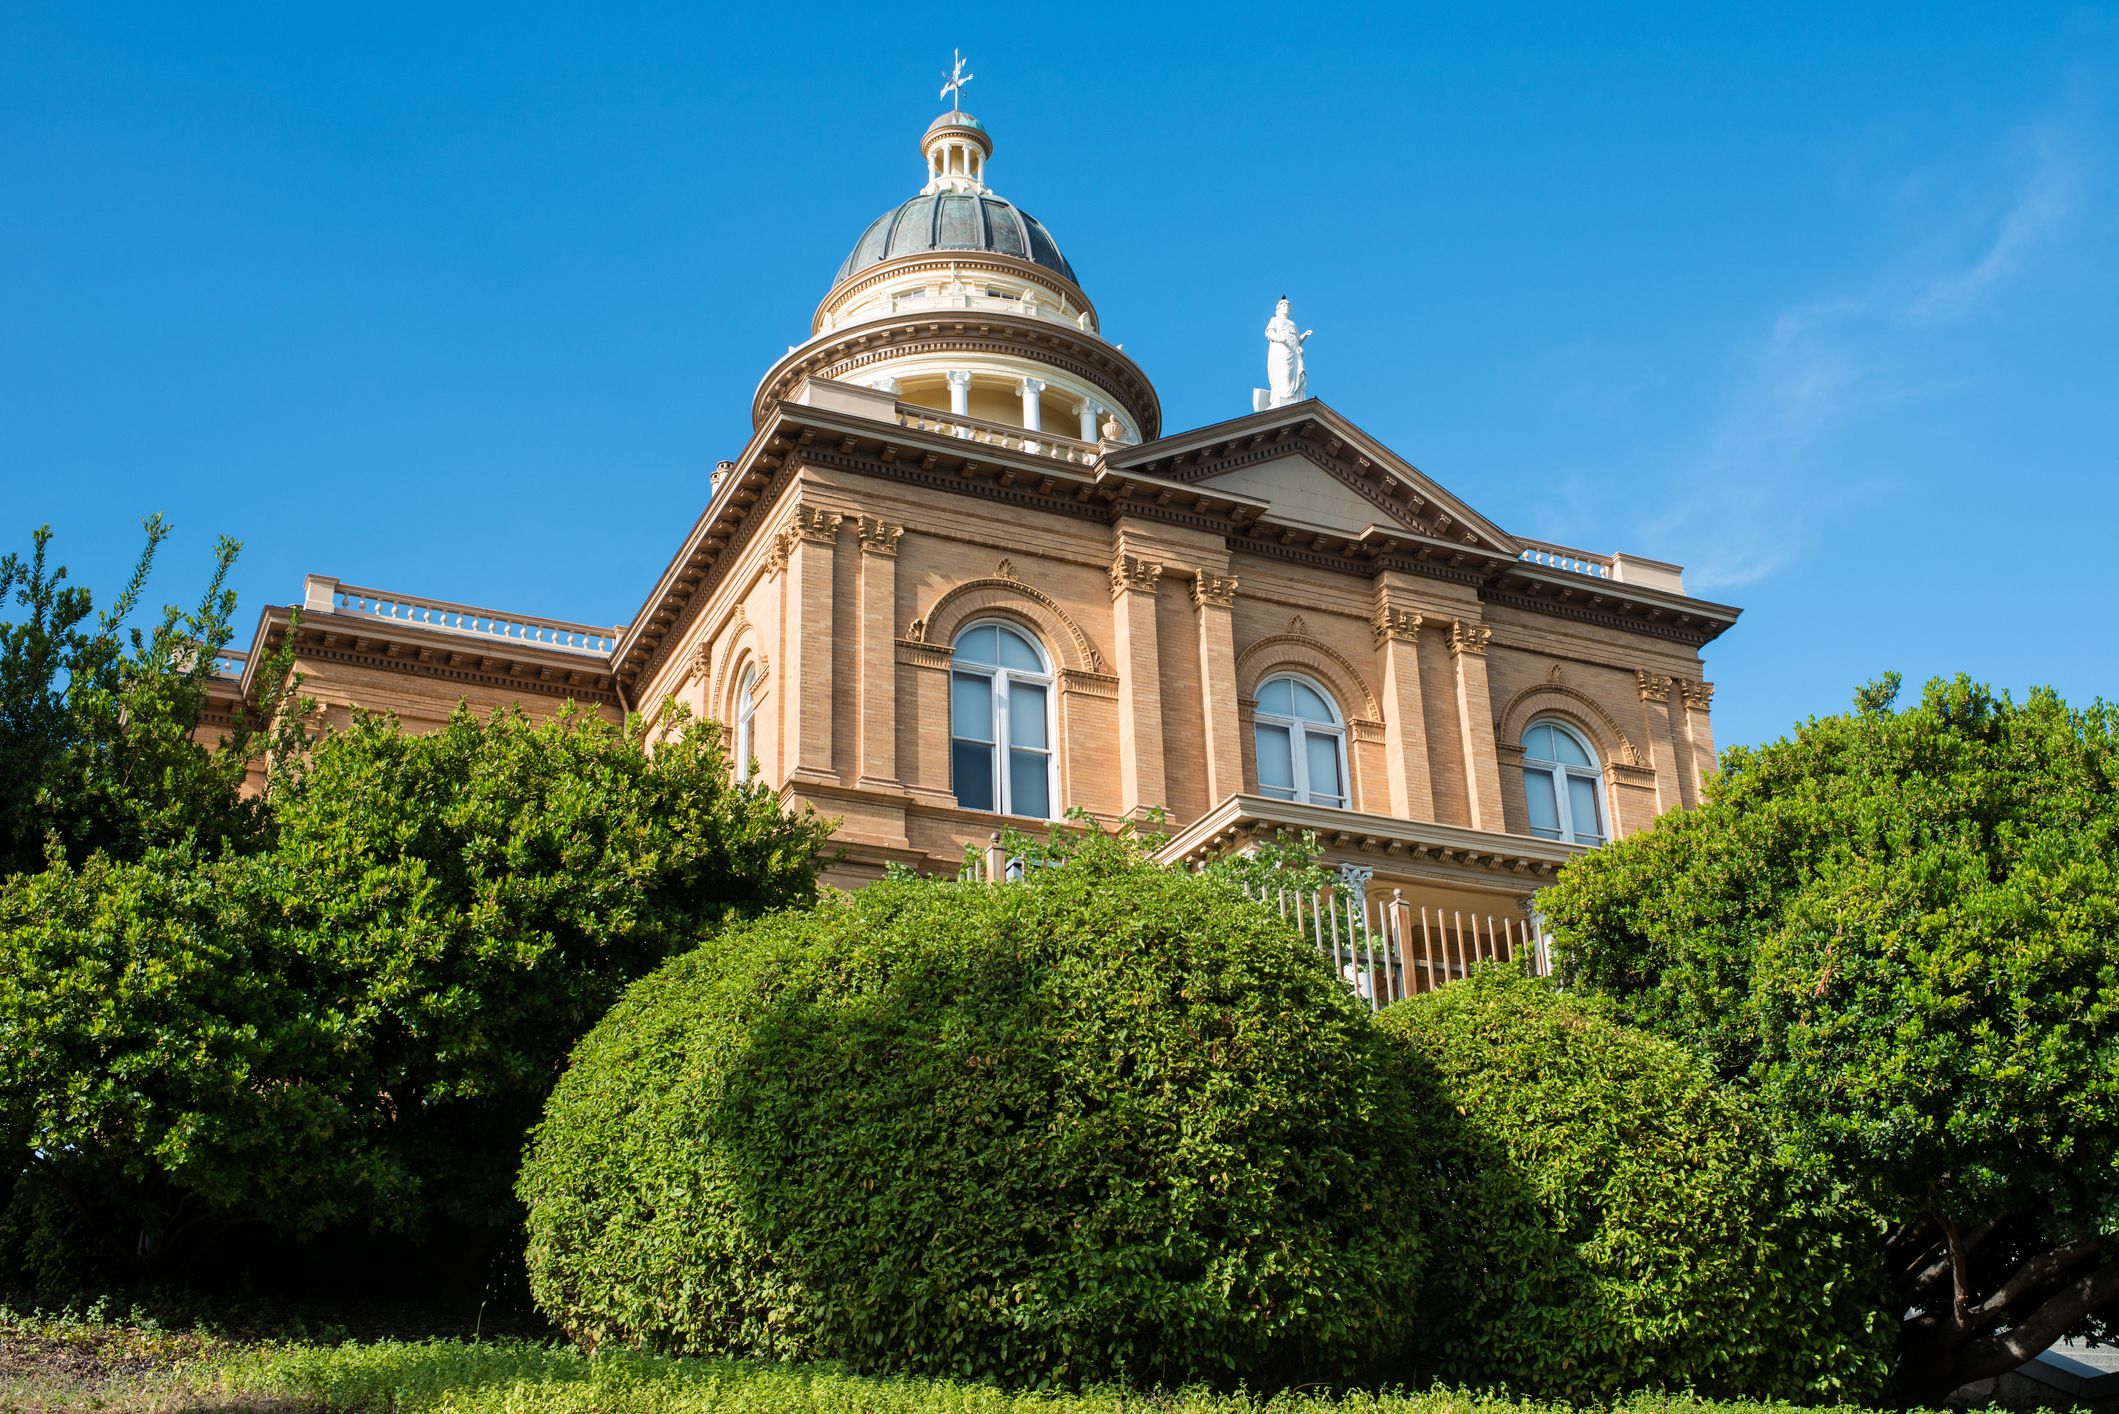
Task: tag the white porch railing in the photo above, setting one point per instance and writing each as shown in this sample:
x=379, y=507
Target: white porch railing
x=1387, y=949
x=586, y=639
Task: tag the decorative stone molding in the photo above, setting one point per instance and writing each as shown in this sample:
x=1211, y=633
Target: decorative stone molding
x=1216, y=591
x=1040, y=610
x=1132, y=575
x=1312, y=656
x=1354, y=878
x=818, y=527
x=1698, y=694
x=1394, y=624
x=1652, y=687
x=1091, y=684
x=878, y=537
x=917, y=653
x=702, y=660
x=1468, y=638
x=1574, y=706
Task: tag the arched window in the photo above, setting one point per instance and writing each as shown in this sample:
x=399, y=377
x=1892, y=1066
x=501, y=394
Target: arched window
x=1301, y=743
x=1562, y=785
x=1000, y=722
x=746, y=714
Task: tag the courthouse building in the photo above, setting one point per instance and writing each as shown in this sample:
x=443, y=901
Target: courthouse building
x=962, y=575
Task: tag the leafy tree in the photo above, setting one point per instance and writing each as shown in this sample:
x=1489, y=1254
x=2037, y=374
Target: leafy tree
x=1615, y=1217
x=1110, y=1120
x=98, y=720
x=1899, y=928
x=357, y=1021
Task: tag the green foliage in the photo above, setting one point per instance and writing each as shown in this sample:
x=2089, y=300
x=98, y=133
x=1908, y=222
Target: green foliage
x=358, y=1020
x=1898, y=927
x=502, y=1377
x=97, y=721
x=1614, y=1218
x=1110, y=1120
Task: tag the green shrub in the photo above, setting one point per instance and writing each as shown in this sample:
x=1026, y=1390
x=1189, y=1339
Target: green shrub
x=1612, y=1218
x=1113, y=1120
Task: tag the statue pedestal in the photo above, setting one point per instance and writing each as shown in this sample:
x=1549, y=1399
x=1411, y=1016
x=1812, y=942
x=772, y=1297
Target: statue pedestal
x=1261, y=399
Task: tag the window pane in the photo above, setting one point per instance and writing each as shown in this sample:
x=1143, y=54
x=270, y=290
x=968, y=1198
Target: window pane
x=1029, y=784
x=1026, y=715
x=971, y=706
x=1308, y=705
x=1588, y=821
x=1276, y=761
x=971, y=772
x=1321, y=749
x=1274, y=697
x=1016, y=652
x=976, y=645
x=1569, y=750
x=1544, y=807
x=1537, y=743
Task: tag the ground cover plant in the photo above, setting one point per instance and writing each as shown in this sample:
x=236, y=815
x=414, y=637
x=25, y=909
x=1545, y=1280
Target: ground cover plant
x=1616, y=1218
x=1110, y=1121
x=1900, y=929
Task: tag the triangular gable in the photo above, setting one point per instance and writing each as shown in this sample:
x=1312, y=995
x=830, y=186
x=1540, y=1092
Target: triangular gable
x=1315, y=468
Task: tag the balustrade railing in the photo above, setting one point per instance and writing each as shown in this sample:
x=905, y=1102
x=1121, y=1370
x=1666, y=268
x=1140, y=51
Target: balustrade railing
x=1387, y=949
x=586, y=639
x=1564, y=557
x=996, y=434
x=228, y=663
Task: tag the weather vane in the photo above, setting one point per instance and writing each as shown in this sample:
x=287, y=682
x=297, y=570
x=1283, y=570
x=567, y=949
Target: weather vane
x=957, y=78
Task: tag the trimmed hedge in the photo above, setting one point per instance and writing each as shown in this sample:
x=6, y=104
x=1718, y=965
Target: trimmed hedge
x=1111, y=1122
x=1614, y=1218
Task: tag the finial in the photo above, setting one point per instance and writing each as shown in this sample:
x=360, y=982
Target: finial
x=954, y=81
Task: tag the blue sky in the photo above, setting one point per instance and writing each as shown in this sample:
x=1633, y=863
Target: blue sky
x=1821, y=301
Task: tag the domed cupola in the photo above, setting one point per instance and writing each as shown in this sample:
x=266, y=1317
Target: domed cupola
x=957, y=300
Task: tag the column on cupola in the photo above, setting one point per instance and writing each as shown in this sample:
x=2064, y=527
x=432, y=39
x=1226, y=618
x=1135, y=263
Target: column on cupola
x=1662, y=746
x=1475, y=723
x=1397, y=631
x=1088, y=412
x=959, y=391
x=1214, y=602
x=1033, y=390
x=1134, y=582
x=878, y=682
x=805, y=550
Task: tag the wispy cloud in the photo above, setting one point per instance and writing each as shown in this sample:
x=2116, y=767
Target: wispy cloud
x=1760, y=481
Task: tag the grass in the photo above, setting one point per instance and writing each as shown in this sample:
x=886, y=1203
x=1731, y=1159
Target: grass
x=134, y=1369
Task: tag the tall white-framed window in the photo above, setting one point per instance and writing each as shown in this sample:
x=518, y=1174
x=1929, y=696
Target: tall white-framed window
x=746, y=720
x=1301, y=741
x=1000, y=722
x=1562, y=786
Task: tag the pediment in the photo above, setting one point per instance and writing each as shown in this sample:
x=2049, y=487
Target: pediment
x=1316, y=469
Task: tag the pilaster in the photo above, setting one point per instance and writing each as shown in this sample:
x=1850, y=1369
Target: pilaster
x=1662, y=744
x=1475, y=723
x=808, y=544
x=1213, y=599
x=877, y=689
x=1134, y=583
x=1397, y=631
x=1698, y=697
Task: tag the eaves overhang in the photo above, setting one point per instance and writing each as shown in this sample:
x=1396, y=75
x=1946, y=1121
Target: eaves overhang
x=1451, y=852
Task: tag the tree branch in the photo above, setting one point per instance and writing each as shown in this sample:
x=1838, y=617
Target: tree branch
x=2034, y=1273
x=1998, y=1354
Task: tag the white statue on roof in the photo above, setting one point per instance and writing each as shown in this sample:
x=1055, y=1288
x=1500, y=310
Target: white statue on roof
x=1284, y=366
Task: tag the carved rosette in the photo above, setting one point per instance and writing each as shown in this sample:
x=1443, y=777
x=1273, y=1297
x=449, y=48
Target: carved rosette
x=1468, y=638
x=1698, y=695
x=878, y=537
x=1132, y=575
x=1653, y=687
x=1395, y=625
x=1214, y=591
